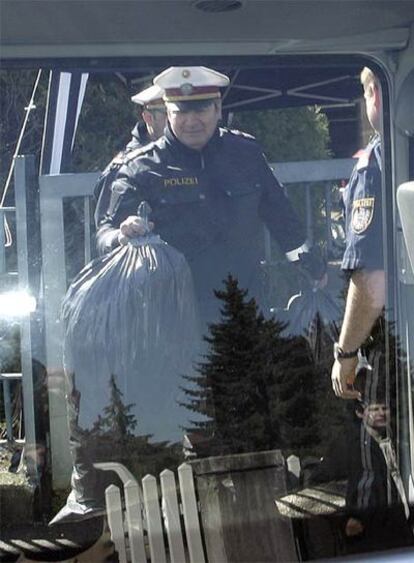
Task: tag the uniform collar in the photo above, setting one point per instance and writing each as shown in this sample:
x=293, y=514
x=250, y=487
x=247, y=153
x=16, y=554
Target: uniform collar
x=140, y=133
x=191, y=156
x=373, y=148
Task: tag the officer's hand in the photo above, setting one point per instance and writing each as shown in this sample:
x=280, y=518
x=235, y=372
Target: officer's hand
x=313, y=264
x=353, y=527
x=133, y=227
x=343, y=377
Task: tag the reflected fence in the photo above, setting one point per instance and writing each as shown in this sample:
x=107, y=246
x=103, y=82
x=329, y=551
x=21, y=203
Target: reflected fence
x=154, y=520
x=198, y=513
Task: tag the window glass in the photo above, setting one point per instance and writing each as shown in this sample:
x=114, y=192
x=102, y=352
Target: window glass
x=170, y=300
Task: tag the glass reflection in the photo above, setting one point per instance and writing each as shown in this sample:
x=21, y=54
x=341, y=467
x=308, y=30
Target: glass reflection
x=192, y=337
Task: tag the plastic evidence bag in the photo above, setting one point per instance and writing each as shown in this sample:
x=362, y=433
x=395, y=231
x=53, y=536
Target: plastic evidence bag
x=132, y=314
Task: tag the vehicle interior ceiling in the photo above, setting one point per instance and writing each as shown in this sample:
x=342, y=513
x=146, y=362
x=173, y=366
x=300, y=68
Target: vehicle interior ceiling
x=76, y=35
x=67, y=28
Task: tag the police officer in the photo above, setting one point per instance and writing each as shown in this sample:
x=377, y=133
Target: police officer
x=149, y=129
x=363, y=257
x=85, y=499
x=210, y=189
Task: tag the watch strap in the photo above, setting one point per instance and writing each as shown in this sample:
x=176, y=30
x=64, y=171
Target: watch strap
x=340, y=354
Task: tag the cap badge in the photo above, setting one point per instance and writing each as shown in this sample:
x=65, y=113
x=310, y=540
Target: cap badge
x=186, y=89
x=186, y=73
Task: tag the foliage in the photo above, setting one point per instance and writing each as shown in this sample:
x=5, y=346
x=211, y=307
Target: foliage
x=289, y=134
x=16, y=88
x=105, y=124
x=255, y=386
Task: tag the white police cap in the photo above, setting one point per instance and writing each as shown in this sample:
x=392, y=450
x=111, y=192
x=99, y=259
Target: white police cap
x=190, y=83
x=151, y=97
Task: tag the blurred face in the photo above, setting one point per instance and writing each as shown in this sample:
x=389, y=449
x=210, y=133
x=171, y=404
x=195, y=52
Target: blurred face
x=155, y=120
x=194, y=128
x=376, y=415
x=373, y=105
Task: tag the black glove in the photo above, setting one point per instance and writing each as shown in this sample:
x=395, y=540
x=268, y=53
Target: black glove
x=313, y=263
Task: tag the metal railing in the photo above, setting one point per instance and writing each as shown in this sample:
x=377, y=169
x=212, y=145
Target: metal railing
x=24, y=280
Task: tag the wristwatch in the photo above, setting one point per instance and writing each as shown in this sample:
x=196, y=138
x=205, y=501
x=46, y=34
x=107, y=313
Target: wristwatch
x=340, y=354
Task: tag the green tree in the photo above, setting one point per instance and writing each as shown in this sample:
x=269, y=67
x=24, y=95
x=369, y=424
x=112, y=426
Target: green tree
x=113, y=437
x=254, y=388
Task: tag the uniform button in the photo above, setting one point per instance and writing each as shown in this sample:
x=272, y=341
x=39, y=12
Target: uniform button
x=202, y=196
x=163, y=201
x=228, y=192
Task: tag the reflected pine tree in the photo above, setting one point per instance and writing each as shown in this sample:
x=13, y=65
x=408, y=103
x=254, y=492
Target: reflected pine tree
x=113, y=437
x=254, y=387
x=117, y=420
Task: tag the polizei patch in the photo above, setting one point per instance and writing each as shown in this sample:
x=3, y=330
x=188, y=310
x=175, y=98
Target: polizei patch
x=362, y=213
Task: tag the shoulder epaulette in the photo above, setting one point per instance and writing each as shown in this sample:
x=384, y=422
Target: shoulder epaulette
x=132, y=155
x=365, y=154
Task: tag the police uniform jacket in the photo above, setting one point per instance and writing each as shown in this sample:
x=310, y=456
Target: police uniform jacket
x=102, y=190
x=209, y=204
x=363, y=212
